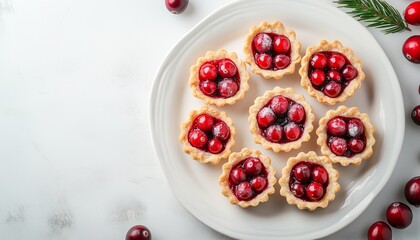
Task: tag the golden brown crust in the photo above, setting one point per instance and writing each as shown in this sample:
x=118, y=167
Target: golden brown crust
x=194, y=80
x=261, y=101
x=369, y=129
x=336, y=46
x=197, y=154
x=274, y=27
x=332, y=187
x=234, y=159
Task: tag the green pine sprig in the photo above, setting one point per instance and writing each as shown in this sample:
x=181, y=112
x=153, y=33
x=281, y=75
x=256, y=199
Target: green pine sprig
x=378, y=13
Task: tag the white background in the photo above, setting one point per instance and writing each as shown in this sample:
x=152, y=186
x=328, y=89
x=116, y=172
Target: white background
x=75, y=147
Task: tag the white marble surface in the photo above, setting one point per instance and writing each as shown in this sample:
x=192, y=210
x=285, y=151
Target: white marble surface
x=75, y=148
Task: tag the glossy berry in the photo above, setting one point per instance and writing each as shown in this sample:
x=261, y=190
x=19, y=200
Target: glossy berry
x=412, y=191
x=412, y=13
x=244, y=191
x=411, y=49
x=399, y=215
x=415, y=115
x=265, y=117
x=264, y=61
x=138, y=232
x=379, y=231
x=258, y=183
x=253, y=166
x=197, y=138
x=318, y=77
x=237, y=175
x=336, y=61
x=314, y=191
x=338, y=146
x=227, y=88
x=279, y=105
x=337, y=127
x=215, y=146
x=319, y=61
x=356, y=145
x=227, y=69
x=292, y=131
x=320, y=175
x=355, y=127
x=349, y=72
x=221, y=131
x=262, y=43
x=281, y=61
x=207, y=72
x=298, y=189
x=208, y=87
x=332, y=89
x=205, y=122
x=296, y=113
x=176, y=6
x=274, y=133
x=302, y=172
x=281, y=44
x=334, y=75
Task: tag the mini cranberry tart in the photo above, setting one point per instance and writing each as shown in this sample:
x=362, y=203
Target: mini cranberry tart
x=309, y=181
x=247, y=178
x=346, y=136
x=208, y=135
x=281, y=120
x=330, y=72
x=219, y=78
x=271, y=50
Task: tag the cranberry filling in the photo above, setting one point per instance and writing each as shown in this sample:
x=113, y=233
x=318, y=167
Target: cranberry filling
x=281, y=120
x=248, y=178
x=219, y=78
x=271, y=51
x=209, y=134
x=330, y=72
x=308, y=181
x=346, y=136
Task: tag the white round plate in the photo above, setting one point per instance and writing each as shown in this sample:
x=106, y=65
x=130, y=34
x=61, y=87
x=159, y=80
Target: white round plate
x=196, y=185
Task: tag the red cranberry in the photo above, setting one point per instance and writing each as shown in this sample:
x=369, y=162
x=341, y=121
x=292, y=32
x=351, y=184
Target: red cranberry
x=227, y=68
x=262, y=42
x=237, y=175
x=412, y=191
x=138, y=232
x=332, y=89
x=265, y=117
x=356, y=145
x=318, y=77
x=296, y=113
x=281, y=61
x=298, y=189
x=281, y=44
x=380, y=231
x=207, y=72
x=215, y=146
x=264, y=61
x=227, y=88
x=334, y=75
x=221, y=131
x=244, y=191
x=337, y=127
x=411, y=49
x=319, y=61
x=349, y=72
x=338, y=146
x=292, y=131
x=314, y=191
x=302, y=172
x=258, y=183
x=415, y=115
x=412, y=13
x=205, y=122
x=279, y=105
x=399, y=215
x=176, y=6
x=197, y=138
x=355, y=127
x=336, y=61
x=208, y=87
x=253, y=166
x=320, y=175
x=274, y=133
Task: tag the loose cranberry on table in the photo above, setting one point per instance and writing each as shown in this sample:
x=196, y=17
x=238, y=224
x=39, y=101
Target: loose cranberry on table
x=399, y=215
x=411, y=49
x=412, y=13
x=138, y=232
x=176, y=6
x=415, y=115
x=379, y=231
x=412, y=191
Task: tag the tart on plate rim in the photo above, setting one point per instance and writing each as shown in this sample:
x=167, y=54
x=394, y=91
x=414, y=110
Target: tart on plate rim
x=263, y=101
x=240, y=78
x=350, y=86
x=275, y=28
x=238, y=160
x=205, y=156
x=365, y=135
x=309, y=158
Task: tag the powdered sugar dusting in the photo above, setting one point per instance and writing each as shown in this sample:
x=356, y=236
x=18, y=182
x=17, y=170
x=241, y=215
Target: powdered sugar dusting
x=266, y=41
x=353, y=130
